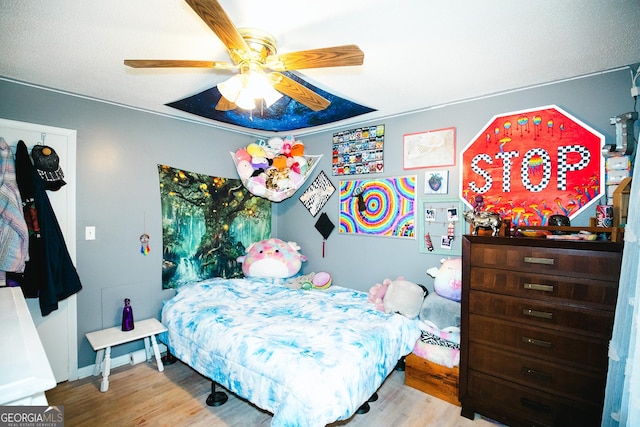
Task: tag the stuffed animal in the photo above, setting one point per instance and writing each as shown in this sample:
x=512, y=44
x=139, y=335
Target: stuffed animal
x=297, y=149
x=377, y=292
x=404, y=297
x=321, y=280
x=278, y=180
x=440, y=311
x=245, y=170
x=448, y=278
x=259, y=163
x=280, y=162
x=274, y=146
x=300, y=282
x=242, y=154
x=272, y=258
x=256, y=150
x=302, y=167
x=310, y=281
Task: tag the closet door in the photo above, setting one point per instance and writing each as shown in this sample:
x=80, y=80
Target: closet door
x=58, y=331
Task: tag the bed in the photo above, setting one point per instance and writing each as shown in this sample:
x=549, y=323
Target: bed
x=308, y=357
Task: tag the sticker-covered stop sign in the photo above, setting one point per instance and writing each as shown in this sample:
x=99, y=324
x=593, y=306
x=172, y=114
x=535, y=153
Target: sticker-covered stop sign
x=529, y=165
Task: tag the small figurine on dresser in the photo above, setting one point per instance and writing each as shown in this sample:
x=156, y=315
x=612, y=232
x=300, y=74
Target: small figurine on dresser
x=483, y=219
x=480, y=218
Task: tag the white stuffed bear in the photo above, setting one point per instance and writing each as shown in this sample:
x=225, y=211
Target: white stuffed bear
x=404, y=297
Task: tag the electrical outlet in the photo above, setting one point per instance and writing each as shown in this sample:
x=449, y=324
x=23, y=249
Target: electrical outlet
x=90, y=233
x=635, y=91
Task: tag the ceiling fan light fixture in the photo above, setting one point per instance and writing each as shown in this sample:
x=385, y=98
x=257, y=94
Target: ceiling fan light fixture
x=245, y=100
x=254, y=50
x=259, y=88
x=271, y=96
x=243, y=89
x=231, y=88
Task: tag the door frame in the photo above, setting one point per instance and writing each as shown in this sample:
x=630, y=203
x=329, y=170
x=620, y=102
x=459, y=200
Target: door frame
x=69, y=228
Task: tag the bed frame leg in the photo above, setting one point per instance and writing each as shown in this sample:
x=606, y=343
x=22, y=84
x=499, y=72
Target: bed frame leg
x=169, y=359
x=216, y=398
x=400, y=366
x=365, y=407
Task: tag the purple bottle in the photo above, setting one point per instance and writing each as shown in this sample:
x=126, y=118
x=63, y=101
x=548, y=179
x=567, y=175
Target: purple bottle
x=127, y=316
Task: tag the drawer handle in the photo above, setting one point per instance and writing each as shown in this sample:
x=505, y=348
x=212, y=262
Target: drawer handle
x=539, y=343
x=538, y=314
x=536, y=406
x=534, y=260
x=537, y=287
x=536, y=374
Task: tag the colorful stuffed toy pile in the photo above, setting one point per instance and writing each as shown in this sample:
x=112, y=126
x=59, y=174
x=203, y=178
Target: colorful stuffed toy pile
x=274, y=169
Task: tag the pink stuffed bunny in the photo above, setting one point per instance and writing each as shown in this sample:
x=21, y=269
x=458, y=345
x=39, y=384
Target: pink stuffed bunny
x=377, y=293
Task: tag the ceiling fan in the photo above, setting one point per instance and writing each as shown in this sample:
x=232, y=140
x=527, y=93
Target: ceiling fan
x=254, y=54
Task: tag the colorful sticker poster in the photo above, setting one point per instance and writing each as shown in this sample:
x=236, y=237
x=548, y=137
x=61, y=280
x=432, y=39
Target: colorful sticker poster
x=358, y=151
x=531, y=164
x=378, y=207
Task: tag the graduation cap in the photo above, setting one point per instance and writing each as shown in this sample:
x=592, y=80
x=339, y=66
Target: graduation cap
x=325, y=227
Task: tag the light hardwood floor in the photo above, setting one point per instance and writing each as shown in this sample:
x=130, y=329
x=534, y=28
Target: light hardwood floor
x=141, y=396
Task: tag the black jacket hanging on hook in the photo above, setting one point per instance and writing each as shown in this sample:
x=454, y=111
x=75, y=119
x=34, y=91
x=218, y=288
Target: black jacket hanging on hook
x=49, y=274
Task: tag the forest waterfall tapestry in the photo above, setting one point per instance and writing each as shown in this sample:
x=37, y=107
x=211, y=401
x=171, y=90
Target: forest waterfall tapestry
x=207, y=223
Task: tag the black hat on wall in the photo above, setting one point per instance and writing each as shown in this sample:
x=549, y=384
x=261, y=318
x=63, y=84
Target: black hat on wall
x=47, y=163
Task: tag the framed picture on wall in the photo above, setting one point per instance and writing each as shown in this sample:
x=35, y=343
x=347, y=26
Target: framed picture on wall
x=435, y=148
x=318, y=193
x=436, y=182
x=383, y=207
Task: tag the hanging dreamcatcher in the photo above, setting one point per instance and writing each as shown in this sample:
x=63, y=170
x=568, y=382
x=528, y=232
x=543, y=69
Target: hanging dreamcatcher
x=144, y=238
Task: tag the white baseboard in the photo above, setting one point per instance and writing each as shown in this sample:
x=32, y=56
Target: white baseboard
x=87, y=371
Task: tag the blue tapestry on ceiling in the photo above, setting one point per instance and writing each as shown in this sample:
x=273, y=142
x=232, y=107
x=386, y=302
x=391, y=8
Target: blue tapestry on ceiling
x=284, y=115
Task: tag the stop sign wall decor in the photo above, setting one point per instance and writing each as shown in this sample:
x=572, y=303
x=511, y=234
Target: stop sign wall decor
x=529, y=165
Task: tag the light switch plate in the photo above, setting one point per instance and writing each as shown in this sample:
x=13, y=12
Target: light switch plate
x=90, y=233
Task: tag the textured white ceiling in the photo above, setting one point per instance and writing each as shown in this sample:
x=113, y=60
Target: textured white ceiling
x=418, y=53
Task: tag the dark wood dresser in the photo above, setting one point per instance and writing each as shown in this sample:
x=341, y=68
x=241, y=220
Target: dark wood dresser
x=537, y=317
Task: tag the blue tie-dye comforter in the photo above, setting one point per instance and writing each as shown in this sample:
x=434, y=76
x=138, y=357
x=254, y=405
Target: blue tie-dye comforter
x=308, y=357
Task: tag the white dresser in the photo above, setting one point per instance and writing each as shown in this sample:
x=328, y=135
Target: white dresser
x=25, y=373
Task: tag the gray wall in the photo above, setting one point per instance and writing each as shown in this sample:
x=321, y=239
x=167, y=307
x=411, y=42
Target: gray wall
x=359, y=262
x=119, y=150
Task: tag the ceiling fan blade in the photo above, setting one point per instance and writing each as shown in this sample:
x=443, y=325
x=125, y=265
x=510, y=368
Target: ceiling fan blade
x=176, y=63
x=225, y=105
x=217, y=19
x=298, y=92
x=337, y=56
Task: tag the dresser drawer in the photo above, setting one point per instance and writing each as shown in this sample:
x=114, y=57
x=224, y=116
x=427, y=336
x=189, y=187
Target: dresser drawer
x=592, y=264
x=532, y=312
x=575, y=290
x=522, y=406
x=549, y=377
x=570, y=349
